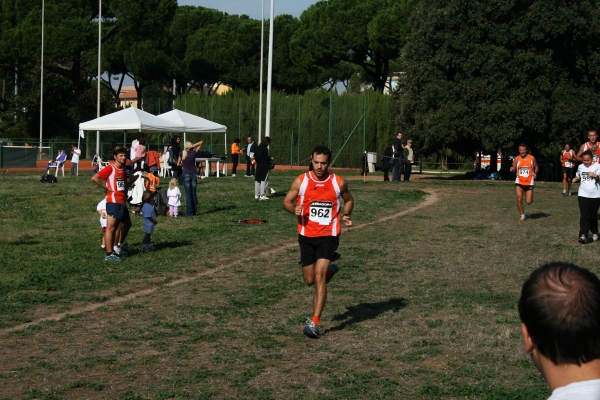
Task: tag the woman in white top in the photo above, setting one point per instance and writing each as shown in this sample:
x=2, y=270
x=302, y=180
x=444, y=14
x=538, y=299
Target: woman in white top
x=588, y=197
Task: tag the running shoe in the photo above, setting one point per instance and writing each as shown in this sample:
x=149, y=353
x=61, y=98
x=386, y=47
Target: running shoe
x=569, y=193
x=582, y=239
x=102, y=249
x=124, y=247
x=112, y=257
x=233, y=175
x=522, y=219
x=564, y=192
x=264, y=198
x=334, y=268
x=311, y=329
x=273, y=191
x=594, y=237
x=255, y=197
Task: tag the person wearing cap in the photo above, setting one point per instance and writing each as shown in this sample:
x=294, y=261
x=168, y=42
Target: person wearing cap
x=409, y=157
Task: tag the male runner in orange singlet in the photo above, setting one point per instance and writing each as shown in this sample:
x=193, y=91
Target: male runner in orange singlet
x=317, y=194
x=526, y=168
x=591, y=145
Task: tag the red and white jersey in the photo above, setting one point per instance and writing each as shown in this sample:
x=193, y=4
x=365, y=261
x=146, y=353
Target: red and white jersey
x=595, y=153
x=320, y=201
x=115, y=180
x=525, y=170
x=567, y=159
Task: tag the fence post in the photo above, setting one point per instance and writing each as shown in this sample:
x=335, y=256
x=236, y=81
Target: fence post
x=420, y=163
x=330, y=119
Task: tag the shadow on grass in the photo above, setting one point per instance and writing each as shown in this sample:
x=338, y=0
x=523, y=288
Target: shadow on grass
x=366, y=311
x=538, y=215
x=173, y=244
x=21, y=243
x=217, y=209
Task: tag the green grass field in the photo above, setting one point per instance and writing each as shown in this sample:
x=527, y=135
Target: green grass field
x=424, y=306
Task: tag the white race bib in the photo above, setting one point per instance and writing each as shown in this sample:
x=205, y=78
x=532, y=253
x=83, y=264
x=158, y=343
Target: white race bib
x=524, y=172
x=595, y=157
x=321, y=212
x=568, y=164
x=585, y=176
x=120, y=184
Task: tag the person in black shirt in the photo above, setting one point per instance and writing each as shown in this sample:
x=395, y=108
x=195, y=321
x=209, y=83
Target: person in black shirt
x=398, y=156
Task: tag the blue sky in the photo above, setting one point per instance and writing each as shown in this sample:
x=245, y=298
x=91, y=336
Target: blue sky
x=252, y=8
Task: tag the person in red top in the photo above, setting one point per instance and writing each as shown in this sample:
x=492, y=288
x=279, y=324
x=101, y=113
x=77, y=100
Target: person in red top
x=113, y=180
x=526, y=168
x=591, y=145
x=567, y=161
x=317, y=195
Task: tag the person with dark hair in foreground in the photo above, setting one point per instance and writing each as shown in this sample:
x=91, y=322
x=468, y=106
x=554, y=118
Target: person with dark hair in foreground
x=317, y=194
x=560, y=314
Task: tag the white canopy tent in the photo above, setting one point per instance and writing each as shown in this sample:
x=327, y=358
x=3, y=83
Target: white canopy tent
x=194, y=123
x=132, y=120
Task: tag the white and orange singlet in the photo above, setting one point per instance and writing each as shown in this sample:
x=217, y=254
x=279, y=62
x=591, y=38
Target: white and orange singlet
x=525, y=170
x=320, y=201
x=115, y=181
x=567, y=159
x=595, y=153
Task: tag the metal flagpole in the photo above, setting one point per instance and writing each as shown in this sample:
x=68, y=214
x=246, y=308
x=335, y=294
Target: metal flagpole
x=270, y=70
x=42, y=84
x=262, y=49
x=99, y=54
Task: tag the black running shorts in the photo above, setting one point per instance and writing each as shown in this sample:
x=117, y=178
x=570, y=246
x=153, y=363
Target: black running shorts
x=118, y=211
x=524, y=187
x=569, y=171
x=311, y=249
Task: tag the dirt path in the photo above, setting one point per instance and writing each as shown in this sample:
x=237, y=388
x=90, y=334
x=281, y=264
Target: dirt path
x=430, y=199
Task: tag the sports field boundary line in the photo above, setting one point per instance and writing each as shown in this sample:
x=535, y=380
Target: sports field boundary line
x=431, y=198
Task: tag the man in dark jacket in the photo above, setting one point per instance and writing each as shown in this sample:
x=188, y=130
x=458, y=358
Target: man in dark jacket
x=250, y=149
x=398, y=152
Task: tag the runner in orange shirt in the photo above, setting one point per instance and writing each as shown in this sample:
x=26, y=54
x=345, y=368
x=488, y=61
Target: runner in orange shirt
x=317, y=194
x=567, y=161
x=591, y=145
x=526, y=168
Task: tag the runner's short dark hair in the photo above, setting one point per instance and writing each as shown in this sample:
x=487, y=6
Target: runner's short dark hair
x=322, y=150
x=587, y=153
x=119, y=150
x=560, y=306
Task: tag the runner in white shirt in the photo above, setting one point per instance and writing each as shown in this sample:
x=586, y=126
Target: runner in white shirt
x=588, y=197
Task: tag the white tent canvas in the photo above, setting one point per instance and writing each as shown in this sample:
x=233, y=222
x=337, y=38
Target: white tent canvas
x=132, y=120
x=194, y=123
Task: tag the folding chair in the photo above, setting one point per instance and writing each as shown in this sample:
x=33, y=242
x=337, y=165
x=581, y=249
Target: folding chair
x=59, y=163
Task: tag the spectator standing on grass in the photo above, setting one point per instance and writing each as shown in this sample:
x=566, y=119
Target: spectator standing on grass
x=187, y=160
x=140, y=153
x=317, y=194
x=101, y=208
x=75, y=153
x=560, y=321
x=397, y=150
x=175, y=151
x=118, y=222
x=261, y=156
x=588, y=197
x=409, y=158
x=250, y=149
x=526, y=168
x=386, y=161
x=235, y=155
x=174, y=196
x=149, y=220
x=567, y=161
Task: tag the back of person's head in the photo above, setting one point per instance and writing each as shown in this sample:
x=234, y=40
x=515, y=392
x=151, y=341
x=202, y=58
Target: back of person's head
x=321, y=150
x=173, y=183
x=560, y=306
x=236, y=140
x=265, y=141
x=146, y=168
x=147, y=196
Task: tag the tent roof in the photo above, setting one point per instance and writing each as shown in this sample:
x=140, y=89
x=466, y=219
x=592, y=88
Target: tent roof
x=193, y=123
x=132, y=120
